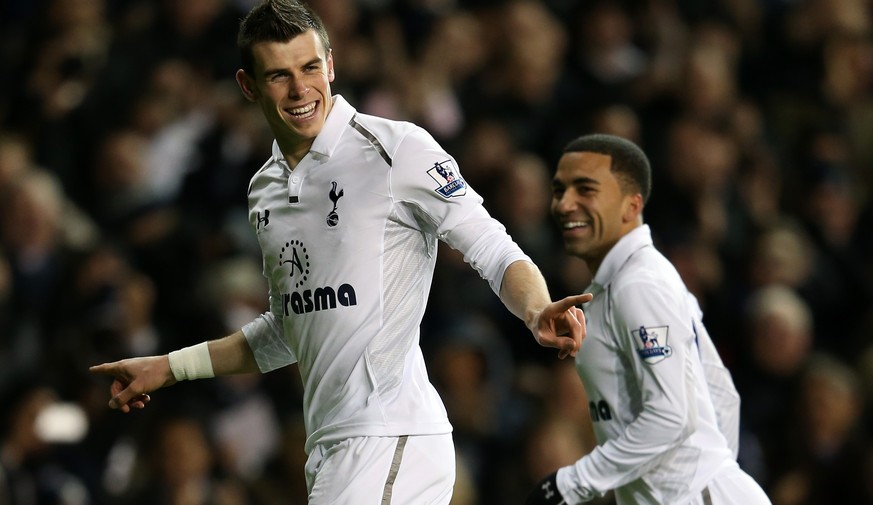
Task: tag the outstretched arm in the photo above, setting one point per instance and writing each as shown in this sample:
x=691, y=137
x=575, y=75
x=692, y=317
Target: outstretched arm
x=135, y=378
x=559, y=324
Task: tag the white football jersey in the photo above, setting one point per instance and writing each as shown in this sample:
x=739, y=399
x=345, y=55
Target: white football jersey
x=654, y=382
x=349, y=243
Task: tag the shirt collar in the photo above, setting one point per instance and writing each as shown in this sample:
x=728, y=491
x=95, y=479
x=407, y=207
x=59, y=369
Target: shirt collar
x=636, y=239
x=325, y=143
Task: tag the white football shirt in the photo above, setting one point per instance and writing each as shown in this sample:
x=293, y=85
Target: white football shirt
x=654, y=382
x=349, y=243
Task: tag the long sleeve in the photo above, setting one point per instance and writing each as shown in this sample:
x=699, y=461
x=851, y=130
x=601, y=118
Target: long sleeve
x=722, y=390
x=430, y=183
x=662, y=373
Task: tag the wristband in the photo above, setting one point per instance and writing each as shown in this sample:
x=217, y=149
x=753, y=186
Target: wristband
x=191, y=363
x=546, y=492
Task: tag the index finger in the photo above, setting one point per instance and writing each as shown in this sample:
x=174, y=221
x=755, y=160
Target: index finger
x=105, y=368
x=571, y=301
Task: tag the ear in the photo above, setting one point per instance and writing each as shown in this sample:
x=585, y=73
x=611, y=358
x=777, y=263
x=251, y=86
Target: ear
x=247, y=85
x=633, y=209
x=330, y=73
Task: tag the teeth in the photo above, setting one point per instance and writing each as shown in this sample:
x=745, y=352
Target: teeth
x=302, y=110
x=574, y=224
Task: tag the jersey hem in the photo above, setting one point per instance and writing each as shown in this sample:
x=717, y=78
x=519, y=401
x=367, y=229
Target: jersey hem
x=332, y=435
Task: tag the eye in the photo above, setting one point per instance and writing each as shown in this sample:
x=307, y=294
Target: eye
x=278, y=78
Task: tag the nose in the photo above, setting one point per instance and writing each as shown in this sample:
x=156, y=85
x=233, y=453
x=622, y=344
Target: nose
x=297, y=89
x=563, y=204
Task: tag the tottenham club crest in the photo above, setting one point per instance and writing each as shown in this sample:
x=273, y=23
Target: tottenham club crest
x=652, y=344
x=450, y=184
x=333, y=217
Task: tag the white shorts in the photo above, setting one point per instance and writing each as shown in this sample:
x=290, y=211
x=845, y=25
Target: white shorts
x=418, y=469
x=731, y=486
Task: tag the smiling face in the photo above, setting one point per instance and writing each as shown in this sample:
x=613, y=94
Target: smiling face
x=291, y=84
x=592, y=206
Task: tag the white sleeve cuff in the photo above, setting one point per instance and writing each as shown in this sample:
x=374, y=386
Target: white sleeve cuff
x=266, y=340
x=572, y=488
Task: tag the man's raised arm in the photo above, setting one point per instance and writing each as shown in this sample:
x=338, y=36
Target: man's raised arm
x=135, y=378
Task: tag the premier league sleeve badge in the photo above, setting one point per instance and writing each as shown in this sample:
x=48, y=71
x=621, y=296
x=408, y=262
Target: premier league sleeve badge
x=652, y=343
x=449, y=183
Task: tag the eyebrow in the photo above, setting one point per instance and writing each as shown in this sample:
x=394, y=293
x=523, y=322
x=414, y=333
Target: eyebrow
x=578, y=181
x=275, y=71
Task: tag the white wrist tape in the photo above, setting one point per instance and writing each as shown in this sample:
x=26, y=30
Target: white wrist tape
x=191, y=363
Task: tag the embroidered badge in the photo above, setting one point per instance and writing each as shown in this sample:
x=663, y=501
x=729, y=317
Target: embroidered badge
x=450, y=184
x=652, y=343
x=333, y=217
x=263, y=220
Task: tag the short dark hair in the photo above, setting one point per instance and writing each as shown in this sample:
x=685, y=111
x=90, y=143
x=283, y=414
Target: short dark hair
x=629, y=162
x=276, y=21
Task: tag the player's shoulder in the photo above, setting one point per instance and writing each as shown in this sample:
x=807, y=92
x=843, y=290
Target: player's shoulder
x=269, y=171
x=394, y=135
x=647, y=270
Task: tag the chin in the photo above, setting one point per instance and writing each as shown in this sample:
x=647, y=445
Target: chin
x=573, y=250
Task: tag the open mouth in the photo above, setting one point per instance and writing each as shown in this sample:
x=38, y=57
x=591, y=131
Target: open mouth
x=571, y=226
x=304, y=112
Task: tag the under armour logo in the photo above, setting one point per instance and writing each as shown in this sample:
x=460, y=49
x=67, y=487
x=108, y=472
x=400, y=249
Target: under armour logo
x=547, y=490
x=263, y=220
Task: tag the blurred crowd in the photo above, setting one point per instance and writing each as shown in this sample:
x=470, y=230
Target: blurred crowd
x=125, y=154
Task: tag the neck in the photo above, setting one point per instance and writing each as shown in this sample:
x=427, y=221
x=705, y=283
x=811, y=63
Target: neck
x=593, y=265
x=294, y=151
x=594, y=261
